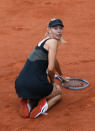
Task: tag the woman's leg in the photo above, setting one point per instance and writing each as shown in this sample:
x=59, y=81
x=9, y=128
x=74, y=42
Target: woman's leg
x=55, y=96
x=56, y=91
x=46, y=103
x=51, y=102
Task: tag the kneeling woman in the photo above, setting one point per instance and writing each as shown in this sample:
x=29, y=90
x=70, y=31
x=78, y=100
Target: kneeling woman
x=36, y=91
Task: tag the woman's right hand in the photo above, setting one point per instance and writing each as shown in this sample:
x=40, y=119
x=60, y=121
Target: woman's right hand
x=65, y=78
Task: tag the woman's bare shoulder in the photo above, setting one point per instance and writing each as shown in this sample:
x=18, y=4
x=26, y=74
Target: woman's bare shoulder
x=51, y=42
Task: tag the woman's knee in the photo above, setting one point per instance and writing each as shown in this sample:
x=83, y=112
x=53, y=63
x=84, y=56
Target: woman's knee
x=58, y=89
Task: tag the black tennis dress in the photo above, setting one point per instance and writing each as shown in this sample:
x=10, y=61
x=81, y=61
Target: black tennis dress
x=32, y=82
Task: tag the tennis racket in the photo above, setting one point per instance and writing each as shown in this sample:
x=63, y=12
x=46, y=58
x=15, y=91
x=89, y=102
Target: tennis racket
x=73, y=83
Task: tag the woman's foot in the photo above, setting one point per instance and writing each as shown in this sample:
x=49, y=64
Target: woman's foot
x=25, y=108
x=40, y=109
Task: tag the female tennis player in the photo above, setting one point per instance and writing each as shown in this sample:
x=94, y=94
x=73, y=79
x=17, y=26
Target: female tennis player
x=37, y=92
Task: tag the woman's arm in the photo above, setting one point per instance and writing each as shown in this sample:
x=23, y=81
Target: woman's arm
x=57, y=68
x=52, y=49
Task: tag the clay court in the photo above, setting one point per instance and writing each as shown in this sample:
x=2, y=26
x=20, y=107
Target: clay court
x=22, y=24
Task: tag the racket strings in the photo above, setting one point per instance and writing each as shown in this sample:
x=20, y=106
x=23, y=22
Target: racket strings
x=74, y=83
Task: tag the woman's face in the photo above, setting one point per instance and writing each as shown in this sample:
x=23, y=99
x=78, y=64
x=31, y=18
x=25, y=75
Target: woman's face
x=56, y=32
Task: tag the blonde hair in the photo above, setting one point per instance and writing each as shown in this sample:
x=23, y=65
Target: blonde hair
x=62, y=41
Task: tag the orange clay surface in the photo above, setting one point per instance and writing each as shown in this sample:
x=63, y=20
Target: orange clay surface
x=22, y=24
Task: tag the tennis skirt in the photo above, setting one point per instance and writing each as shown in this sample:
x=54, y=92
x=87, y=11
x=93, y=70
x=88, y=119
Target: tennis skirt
x=32, y=82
